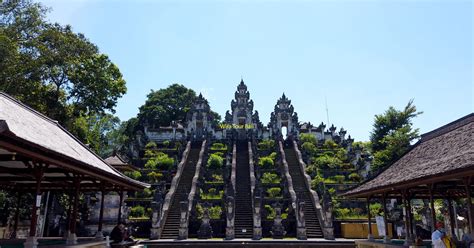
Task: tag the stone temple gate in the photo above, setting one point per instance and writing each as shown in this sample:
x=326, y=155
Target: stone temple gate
x=183, y=209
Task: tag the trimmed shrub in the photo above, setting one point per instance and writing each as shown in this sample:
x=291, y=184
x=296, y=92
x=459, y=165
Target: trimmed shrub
x=326, y=161
x=218, y=146
x=151, y=145
x=215, y=161
x=215, y=212
x=154, y=176
x=330, y=144
x=339, y=178
x=309, y=148
x=161, y=161
x=269, y=177
x=354, y=177
x=307, y=137
x=342, y=212
x=133, y=174
x=166, y=143
x=266, y=145
x=266, y=162
x=274, y=192
x=137, y=211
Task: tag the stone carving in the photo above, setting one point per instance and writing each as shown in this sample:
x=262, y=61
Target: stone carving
x=301, y=224
x=205, y=230
x=257, y=218
x=278, y=230
x=284, y=116
x=156, y=206
x=230, y=217
x=183, y=220
x=199, y=119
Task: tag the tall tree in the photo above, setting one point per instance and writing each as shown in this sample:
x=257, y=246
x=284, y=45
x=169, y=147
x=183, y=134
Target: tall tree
x=56, y=71
x=166, y=105
x=392, y=134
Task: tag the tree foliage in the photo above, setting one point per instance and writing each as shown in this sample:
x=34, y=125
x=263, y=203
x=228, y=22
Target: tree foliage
x=392, y=134
x=54, y=70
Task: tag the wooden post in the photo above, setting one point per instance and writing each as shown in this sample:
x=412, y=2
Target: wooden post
x=432, y=208
x=69, y=213
x=99, y=233
x=17, y=215
x=101, y=213
x=405, y=218
x=36, y=204
x=72, y=238
x=76, y=206
x=384, y=204
x=119, y=217
x=467, y=186
x=370, y=236
x=410, y=219
x=451, y=216
x=31, y=241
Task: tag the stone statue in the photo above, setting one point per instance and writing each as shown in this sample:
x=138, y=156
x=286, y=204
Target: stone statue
x=183, y=220
x=205, y=230
x=278, y=231
x=230, y=215
x=257, y=218
x=156, y=207
x=301, y=224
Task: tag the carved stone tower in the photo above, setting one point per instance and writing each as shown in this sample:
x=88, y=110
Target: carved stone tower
x=284, y=116
x=241, y=118
x=199, y=119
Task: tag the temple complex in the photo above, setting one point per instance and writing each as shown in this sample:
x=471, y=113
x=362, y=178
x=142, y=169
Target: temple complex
x=233, y=180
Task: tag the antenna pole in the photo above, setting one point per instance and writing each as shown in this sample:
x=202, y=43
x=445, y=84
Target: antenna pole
x=327, y=110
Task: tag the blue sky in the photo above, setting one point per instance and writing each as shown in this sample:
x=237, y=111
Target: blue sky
x=362, y=56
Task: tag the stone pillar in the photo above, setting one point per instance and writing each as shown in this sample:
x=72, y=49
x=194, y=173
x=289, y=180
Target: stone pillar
x=257, y=219
x=205, y=230
x=156, y=206
x=278, y=230
x=183, y=220
x=99, y=234
x=31, y=241
x=230, y=215
x=301, y=223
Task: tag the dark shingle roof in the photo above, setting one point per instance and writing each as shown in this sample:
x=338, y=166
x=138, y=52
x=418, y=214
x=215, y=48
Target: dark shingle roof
x=24, y=123
x=441, y=152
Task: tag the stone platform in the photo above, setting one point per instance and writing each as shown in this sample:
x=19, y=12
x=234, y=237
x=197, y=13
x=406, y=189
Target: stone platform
x=271, y=243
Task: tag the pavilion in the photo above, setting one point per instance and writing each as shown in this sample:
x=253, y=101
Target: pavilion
x=439, y=166
x=38, y=155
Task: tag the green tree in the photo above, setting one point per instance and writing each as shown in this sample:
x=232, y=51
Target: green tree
x=53, y=69
x=98, y=131
x=166, y=105
x=169, y=104
x=392, y=134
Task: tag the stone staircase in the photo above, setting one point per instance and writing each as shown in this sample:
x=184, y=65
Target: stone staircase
x=170, y=229
x=243, y=203
x=313, y=227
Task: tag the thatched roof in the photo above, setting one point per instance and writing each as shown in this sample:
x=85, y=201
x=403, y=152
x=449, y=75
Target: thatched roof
x=443, y=154
x=31, y=130
x=119, y=163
